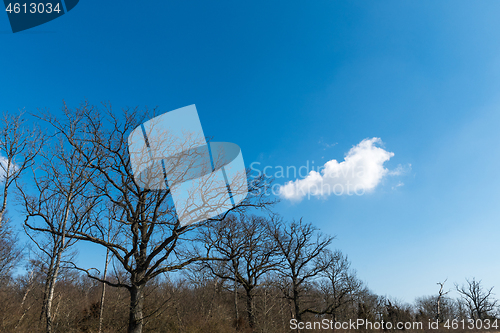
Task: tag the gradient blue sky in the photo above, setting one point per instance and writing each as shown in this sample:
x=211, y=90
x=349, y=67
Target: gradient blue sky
x=286, y=80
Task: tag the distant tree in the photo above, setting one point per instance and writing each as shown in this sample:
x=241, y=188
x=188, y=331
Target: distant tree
x=426, y=308
x=339, y=285
x=439, y=300
x=480, y=302
x=396, y=311
x=369, y=305
x=10, y=253
x=28, y=284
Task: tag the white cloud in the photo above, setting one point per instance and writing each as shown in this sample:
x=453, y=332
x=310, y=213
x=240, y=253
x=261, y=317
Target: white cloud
x=360, y=172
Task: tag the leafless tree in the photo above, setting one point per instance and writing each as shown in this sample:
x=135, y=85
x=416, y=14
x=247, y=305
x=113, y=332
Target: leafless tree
x=396, y=311
x=426, y=308
x=10, y=252
x=18, y=149
x=340, y=284
x=370, y=305
x=150, y=238
x=56, y=203
x=245, y=254
x=439, y=300
x=300, y=245
x=480, y=302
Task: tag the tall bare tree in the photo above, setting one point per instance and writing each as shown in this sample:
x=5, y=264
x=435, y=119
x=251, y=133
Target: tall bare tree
x=150, y=238
x=480, y=301
x=301, y=246
x=439, y=300
x=245, y=254
x=58, y=202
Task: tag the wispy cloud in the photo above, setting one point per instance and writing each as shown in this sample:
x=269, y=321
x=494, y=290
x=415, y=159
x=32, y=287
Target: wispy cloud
x=360, y=172
x=400, y=170
x=326, y=145
x=398, y=185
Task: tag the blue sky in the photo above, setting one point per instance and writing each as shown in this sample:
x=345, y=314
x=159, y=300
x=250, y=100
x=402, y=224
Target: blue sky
x=292, y=82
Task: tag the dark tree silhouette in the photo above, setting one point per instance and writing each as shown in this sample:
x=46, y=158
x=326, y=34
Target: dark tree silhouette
x=150, y=239
x=480, y=302
x=245, y=254
x=301, y=246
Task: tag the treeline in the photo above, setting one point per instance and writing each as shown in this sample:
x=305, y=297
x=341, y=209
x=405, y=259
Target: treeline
x=266, y=273
x=70, y=180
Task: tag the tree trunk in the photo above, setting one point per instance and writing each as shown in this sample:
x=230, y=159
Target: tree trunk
x=28, y=289
x=438, y=315
x=51, y=284
x=136, y=305
x=298, y=315
x=251, y=318
x=54, y=271
x=101, y=308
x=236, y=314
